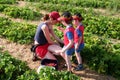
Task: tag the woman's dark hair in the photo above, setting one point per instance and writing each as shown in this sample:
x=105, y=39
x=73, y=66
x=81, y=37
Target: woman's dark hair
x=46, y=17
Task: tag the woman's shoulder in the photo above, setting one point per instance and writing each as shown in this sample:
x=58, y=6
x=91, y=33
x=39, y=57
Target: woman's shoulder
x=41, y=24
x=44, y=26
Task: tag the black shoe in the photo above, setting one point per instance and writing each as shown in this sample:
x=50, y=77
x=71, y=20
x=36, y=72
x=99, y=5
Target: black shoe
x=34, y=58
x=79, y=67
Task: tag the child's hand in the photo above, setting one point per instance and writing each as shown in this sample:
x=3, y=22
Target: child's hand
x=60, y=28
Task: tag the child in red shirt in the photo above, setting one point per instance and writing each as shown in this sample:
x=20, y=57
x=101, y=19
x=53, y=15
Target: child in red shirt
x=78, y=39
x=68, y=48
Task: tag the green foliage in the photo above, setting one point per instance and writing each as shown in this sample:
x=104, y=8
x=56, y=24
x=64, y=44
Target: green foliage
x=116, y=49
x=2, y=7
x=10, y=68
x=102, y=26
x=13, y=69
x=7, y=1
x=59, y=33
x=49, y=73
x=109, y=4
x=17, y=32
x=114, y=66
x=98, y=54
x=116, y=46
x=24, y=13
x=17, y=12
x=28, y=75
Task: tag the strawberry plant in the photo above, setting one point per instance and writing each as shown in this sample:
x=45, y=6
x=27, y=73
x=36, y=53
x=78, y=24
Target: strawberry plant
x=7, y=1
x=17, y=32
x=24, y=13
x=10, y=68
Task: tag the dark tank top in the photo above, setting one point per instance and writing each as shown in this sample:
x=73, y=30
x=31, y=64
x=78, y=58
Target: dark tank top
x=39, y=35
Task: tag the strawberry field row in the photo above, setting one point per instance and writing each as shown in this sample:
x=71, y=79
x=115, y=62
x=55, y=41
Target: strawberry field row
x=109, y=4
x=13, y=69
x=17, y=12
x=17, y=32
x=7, y=1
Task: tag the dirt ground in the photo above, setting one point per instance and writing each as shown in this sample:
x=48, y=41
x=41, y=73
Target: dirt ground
x=22, y=52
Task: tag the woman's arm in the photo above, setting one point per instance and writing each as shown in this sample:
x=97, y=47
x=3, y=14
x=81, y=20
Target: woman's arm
x=47, y=34
x=60, y=29
x=56, y=38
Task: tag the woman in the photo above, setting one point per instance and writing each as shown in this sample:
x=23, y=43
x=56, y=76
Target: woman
x=46, y=46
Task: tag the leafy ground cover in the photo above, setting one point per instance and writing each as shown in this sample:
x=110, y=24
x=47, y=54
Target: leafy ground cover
x=103, y=56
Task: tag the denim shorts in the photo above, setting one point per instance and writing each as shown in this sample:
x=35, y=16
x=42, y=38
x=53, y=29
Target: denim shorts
x=81, y=46
x=70, y=51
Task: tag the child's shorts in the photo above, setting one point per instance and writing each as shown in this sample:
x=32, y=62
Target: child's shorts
x=70, y=51
x=80, y=47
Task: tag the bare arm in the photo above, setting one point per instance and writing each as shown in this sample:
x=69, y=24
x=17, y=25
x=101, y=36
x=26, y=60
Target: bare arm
x=47, y=34
x=78, y=43
x=53, y=34
x=60, y=29
x=71, y=42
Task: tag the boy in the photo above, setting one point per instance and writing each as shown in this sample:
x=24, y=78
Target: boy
x=68, y=48
x=78, y=39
